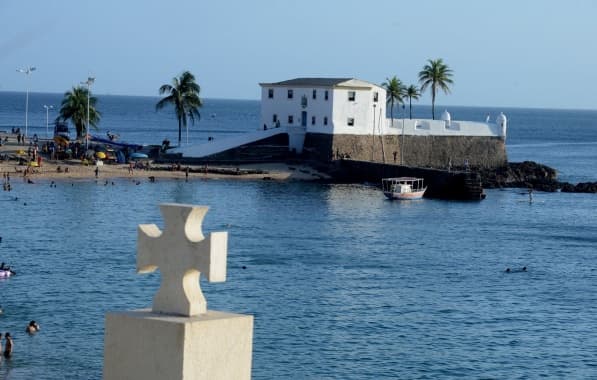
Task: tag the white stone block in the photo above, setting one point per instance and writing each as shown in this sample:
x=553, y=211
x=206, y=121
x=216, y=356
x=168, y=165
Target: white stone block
x=144, y=345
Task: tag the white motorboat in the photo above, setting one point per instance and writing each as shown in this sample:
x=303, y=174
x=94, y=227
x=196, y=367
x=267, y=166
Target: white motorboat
x=403, y=187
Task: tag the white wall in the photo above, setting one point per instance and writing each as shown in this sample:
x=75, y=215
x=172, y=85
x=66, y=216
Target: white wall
x=426, y=127
x=283, y=107
x=337, y=108
x=361, y=109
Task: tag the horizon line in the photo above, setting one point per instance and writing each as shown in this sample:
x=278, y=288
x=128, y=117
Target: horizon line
x=257, y=100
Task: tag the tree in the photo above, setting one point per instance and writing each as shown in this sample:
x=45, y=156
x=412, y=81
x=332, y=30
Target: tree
x=412, y=92
x=436, y=75
x=183, y=95
x=74, y=107
x=394, y=93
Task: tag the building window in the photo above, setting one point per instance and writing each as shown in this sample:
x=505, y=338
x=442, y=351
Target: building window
x=290, y=94
x=314, y=94
x=325, y=120
x=270, y=93
x=350, y=122
x=375, y=96
x=304, y=101
x=351, y=96
x=275, y=118
x=312, y=120
x=290, y=119
x=326, y=95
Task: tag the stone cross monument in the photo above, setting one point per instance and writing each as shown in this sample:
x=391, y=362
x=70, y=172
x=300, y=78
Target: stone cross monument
x=180, y=292
x=179, y=338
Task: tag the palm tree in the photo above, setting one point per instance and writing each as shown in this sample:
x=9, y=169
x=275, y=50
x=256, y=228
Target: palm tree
x=74, y=107
x=394, y=93
x=412, y=92
x=183, y=94
x=437, y=75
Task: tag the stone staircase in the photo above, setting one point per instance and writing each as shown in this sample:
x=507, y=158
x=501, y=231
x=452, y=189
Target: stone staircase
x=473, y=185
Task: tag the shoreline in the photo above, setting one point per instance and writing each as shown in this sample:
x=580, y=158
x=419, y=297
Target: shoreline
x=514, y=175
x=76, y=170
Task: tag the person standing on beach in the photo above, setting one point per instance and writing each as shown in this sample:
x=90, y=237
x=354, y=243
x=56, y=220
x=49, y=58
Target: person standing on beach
x=8, y=345
x=96, y=171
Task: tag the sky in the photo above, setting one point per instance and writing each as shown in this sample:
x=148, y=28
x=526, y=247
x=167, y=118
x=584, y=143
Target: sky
x=530, y=53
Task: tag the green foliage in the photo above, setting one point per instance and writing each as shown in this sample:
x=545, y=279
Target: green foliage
x=183, y=95
x=395, y=91
x=74, y=108
x=436, y=75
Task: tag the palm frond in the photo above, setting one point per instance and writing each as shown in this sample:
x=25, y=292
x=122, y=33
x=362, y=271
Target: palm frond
x=183, y=95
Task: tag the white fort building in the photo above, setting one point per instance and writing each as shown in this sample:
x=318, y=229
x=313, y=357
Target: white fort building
x=331, y=117
x=324, y=105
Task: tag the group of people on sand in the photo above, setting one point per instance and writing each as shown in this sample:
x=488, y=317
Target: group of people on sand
x=20, y=139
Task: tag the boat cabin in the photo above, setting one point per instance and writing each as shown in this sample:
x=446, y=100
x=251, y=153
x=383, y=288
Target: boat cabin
x=403, y=187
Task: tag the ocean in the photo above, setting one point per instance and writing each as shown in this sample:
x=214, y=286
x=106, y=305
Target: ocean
x=343, y=284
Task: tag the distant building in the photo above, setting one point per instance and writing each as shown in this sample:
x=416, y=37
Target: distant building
x=324, y=105
x=331, y=118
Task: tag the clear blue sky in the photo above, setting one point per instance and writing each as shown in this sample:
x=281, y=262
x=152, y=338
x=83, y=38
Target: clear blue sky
x=503, y=53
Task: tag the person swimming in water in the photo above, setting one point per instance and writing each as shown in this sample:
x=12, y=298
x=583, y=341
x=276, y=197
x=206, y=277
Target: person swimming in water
x=523, y=269
x=32, y=328
x=9, y=345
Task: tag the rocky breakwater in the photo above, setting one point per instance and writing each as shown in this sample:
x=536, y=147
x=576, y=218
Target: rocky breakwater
x=529, y=174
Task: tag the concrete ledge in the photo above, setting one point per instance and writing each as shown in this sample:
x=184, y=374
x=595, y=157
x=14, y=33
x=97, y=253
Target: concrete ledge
x=140, y=344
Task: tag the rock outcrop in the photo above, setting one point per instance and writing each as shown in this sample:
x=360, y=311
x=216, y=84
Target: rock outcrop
x=529, y=174
x=583, y=187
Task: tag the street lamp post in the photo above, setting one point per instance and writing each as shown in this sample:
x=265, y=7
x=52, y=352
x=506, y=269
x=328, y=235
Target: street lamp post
x=88, y=82
x=48, y=108
x=28, y=70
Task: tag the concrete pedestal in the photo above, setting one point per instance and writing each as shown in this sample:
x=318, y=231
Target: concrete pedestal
x=140, y=344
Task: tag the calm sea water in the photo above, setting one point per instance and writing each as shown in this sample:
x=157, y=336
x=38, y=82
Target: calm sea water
x=342, y=283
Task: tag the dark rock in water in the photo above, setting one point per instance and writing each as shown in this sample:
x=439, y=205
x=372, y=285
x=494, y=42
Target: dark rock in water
x=531, y=175
x=526, y=174
x=567, y=187
x=583, y=187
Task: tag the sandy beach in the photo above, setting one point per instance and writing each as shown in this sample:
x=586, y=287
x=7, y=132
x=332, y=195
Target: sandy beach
x=76, y=169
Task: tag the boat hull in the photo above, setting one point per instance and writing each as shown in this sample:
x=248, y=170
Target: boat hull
x=5, y=273
x=405, y=196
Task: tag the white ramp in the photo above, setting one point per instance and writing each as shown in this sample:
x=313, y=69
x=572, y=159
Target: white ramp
x=224, y=144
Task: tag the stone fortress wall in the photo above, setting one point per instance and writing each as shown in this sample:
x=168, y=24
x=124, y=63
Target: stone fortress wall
x=422, y=151
x=423, y=143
